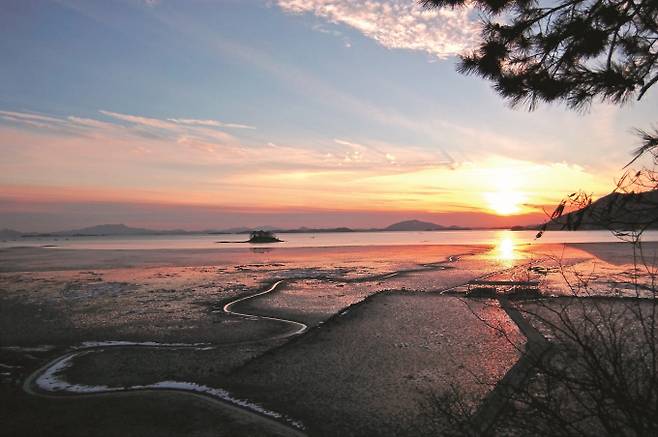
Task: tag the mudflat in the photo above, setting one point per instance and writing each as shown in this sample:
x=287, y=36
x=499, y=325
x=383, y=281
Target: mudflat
x=117, y=342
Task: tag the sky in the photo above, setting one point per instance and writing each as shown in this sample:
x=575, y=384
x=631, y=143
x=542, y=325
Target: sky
x=208, y=114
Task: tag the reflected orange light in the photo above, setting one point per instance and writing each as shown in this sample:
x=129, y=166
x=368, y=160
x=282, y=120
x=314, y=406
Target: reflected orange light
x=506, y=247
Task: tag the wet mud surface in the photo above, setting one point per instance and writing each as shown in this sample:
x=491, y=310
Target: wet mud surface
x=386, y=327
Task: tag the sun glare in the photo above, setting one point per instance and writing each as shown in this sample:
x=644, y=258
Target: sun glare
x=501, y=192
x=504, y=202
x=506, y=247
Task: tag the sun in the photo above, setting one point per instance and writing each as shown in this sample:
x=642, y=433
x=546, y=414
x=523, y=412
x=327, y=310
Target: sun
x=502, y=192
x=504, y=202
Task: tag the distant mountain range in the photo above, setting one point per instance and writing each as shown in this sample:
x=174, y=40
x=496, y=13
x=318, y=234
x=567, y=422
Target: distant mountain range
x=92, y=231
x=617, y=211
x=123, y=230
x=119, y=229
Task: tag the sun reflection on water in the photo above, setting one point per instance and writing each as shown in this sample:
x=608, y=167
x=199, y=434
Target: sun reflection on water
x=506, y=247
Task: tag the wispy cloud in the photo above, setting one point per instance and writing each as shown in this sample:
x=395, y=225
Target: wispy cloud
x=397, y=24
x=305, y=82
x=170, y=123
x=139, y=120
x=183, y=130
x=90, y=123
x=31, y=119
x=213, y=123
x=196, y=163
x=386, y=155
x=27, y=116
x=204, y=142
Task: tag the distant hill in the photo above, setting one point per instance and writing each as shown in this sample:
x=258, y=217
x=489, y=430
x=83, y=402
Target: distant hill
x=105, y=230
x=109, y=229
x=123, y=230
x=414, y=225
x=616, y=211
x=9, y=234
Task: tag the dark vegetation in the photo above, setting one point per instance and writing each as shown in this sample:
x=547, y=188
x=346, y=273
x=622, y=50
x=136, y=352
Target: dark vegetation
x=575, y=52
x=598, y=374
x=618, y=212
x=589, y=368
x=263, y=237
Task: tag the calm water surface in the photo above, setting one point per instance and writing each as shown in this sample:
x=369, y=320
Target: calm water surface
x=327, y=239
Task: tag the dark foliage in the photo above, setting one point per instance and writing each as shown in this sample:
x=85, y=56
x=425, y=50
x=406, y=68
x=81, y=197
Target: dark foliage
x=628, y=211
x=600, y=374
x=573, y=51
x=263, y=237
x=598, y=378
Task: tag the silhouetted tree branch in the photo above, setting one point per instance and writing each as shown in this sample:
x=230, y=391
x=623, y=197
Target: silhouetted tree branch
x=575, y=51
x=599, y=377
x=567, y=50
x=602, y=375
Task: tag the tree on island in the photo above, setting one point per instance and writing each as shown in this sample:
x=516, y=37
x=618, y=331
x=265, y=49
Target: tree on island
x=263, y=237
x=573, y=52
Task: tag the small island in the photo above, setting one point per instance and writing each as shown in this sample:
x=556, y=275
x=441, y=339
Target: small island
x=263, y=237
x=256, y=237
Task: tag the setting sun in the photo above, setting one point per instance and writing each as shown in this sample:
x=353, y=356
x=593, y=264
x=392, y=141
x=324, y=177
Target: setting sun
x=501, y=193
x=504, y=202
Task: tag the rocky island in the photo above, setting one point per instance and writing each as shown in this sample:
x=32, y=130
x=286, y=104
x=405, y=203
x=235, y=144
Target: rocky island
x=263, y=237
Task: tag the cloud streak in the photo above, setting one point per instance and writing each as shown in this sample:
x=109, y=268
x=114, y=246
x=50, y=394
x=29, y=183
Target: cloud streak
x=211, y=123
x=397, y=24
x=147, y=159
x=201, y=142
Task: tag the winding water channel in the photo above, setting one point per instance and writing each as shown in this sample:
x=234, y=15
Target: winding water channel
x=48, y=380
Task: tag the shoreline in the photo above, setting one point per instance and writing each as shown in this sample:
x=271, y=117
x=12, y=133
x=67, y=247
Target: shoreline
x=323, y=240
x=38, y=259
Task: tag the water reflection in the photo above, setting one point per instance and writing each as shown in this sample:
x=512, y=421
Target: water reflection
x=261, y=249
x=506, y=250
x=325, y=239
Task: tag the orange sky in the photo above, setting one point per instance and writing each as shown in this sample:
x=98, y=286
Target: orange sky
x=184, y=165
x=218, y=114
